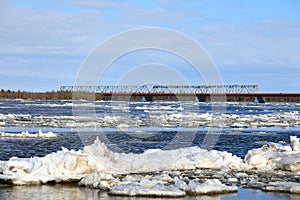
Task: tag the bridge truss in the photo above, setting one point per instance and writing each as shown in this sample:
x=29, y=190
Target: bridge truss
x=161, y=89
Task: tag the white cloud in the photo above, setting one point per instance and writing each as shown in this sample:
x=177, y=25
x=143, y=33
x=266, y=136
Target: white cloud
x=253, y=45
x=57, y=40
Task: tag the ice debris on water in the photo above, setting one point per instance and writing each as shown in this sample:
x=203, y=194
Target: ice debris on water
x=163, y=173
x=158, y=117
x=26, y=134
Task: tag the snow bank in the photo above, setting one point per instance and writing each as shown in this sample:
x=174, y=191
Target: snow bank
x=275, y=156
x=26, y=134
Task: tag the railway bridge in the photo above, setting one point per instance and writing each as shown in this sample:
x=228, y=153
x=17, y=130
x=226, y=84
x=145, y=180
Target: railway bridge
x=181, y=92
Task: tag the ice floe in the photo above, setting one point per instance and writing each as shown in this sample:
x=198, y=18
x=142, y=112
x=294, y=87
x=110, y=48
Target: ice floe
x=26, y=134
x=152, y=160
x=58, y=166
x=295, y=143
x=62, y=166
x=275, y=156
x=147, y=188
x=211, y=186
x=291, y=187
x=162, y=173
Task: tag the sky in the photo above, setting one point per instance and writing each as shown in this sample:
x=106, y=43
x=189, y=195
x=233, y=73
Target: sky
x=43, y=44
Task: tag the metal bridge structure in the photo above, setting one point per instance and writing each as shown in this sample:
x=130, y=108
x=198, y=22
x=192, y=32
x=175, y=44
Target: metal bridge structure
x=202, y=92
x=162, y=89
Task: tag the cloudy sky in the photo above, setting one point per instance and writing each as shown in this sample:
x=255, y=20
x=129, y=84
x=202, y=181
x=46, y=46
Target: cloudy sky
x=44, y=43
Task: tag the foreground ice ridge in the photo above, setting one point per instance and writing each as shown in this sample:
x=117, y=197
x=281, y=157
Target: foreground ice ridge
x=275, y=156
x=185, y=171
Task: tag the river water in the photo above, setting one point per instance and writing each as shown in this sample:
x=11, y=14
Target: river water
x=136, y=127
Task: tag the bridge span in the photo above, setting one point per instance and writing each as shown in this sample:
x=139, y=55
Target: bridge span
x=181, y=92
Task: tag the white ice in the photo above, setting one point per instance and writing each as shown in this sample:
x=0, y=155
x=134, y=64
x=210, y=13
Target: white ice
x=58, y=166
x=26, y=134
x=147, y=188
x=62, y=166
x=211, y=186
x=96, y=166
x=291, y=187
x=275, y=156
x=159, y=116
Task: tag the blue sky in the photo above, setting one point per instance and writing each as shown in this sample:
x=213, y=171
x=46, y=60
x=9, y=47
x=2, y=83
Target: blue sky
x=43, y=43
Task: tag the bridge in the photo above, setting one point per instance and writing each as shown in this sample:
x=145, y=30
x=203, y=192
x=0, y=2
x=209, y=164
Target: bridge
x=202, y=92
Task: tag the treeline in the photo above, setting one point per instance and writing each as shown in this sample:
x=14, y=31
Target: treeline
x=67, y=95
x=53, y=95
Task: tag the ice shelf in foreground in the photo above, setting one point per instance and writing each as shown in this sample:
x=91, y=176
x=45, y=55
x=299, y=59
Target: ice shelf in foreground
x=157, y=159
x=62, y=166
x=67, y=165
x=98, y=167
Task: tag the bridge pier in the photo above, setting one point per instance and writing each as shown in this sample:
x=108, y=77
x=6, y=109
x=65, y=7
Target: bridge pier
x=147, y=98
x=259, y=100
x=201, y=99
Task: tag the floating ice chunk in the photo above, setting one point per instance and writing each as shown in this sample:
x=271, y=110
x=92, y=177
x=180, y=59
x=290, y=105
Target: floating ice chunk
x=62, y=166
x=295, y=143
x=275, y=156
x=232, y=180
x=241, y=175
x=122, y=126
x=211, y=186
x=26, y=134
x=152, y=160
x=147, y=188
x=100, y=180
x=291, y=187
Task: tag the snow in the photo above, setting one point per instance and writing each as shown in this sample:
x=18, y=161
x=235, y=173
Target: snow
x=26, y=134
